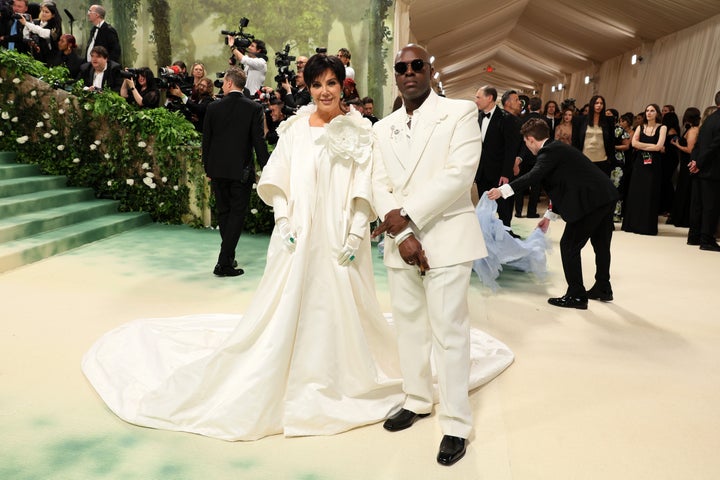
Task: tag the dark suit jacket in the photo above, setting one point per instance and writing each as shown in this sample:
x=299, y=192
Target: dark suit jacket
x=107, y=37
x=707, y=150
x=528, y=159
x=6, y=23
x=580, y=125
x=233, y=129
x=111, y=80
x=499, y=149
x=574, y=184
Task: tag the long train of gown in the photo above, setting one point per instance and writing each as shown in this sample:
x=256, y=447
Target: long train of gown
x=312, y=355
x=527, y=255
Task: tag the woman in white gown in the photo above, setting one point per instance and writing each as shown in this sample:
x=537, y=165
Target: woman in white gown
x=313, y=354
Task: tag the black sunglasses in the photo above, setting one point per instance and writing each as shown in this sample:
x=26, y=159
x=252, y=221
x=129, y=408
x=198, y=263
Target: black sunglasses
x=417, y=65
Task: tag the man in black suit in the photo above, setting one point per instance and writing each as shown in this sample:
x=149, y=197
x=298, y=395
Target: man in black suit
x=585, y=198
x=100, y=73
x=11, y=30
x=706, y=164
x=102, y=34
x=233, y=129
x=501, y=145
x=528, y=160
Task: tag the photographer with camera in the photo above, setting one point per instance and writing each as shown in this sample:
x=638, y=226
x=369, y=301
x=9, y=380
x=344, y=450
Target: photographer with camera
x=43, y=34
x=193, y=109
x=146, y=95
x=11, y=30
x=100, y=73
x=253, y=58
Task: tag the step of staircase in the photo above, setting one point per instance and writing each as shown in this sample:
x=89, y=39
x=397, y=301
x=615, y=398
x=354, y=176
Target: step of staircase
x=27, y=250
x=41, y=217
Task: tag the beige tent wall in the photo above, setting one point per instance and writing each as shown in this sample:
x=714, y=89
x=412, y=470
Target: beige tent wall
x=681, y=69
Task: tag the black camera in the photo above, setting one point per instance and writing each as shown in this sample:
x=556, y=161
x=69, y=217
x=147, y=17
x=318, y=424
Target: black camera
x=321, y=50
x=219, y=82
x=242, y=39
x=129, y=73
x=283, y=60
x=169, y=77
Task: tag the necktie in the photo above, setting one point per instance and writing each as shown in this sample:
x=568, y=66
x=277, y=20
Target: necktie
x=13, y=31
x=486, y=115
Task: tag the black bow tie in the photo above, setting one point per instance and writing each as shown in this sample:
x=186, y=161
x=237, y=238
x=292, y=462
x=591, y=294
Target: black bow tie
x=485, y=115
x=92, y=32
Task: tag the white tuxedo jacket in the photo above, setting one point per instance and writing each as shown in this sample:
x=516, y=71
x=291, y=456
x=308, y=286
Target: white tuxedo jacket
x=431, y=179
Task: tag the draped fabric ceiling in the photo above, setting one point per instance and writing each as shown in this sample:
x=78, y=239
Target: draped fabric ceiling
x=532, y=44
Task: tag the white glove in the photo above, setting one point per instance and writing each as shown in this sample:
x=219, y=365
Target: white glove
x=288, y=236
x=347, y=253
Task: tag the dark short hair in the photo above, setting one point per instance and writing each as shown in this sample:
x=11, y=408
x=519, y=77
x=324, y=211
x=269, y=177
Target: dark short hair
x=488, y=90
x=180, y=64
x=102, y=51
x=319, y=63
x=149, y=77
x=262, y=48
x=344, y=52
x=535, y=104
x=368, y=100
x=629, y=117
x=506, y=96
x=536, y=128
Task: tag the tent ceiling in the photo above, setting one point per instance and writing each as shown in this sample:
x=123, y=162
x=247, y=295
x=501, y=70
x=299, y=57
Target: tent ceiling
x=534, y=42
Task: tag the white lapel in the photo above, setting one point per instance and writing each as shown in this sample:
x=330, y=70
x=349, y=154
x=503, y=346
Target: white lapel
x=396, y=134
x=427, y=120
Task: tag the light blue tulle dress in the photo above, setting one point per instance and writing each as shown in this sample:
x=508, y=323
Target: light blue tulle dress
x=527, y=255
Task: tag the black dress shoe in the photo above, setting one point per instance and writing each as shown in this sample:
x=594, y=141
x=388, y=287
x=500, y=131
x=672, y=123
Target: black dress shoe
x=598, y=294
x=513, y=234
x=402, y=420
x=693, y=242
x=518, y=215
x=566, y=301
x=451, y=450
x=711, y=247
x=533, y=215
x=227, y=271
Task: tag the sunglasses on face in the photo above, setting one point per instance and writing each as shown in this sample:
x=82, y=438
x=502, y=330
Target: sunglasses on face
x=417, y=65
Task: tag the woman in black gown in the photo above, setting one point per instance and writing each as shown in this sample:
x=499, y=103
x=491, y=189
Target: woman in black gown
x=641, y=212
x=680, y=214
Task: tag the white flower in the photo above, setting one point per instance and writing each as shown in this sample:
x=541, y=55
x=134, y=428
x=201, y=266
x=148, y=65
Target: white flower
x=142, y=144
x=16, y=80
x=76, y=160
x=164, y=179
x=107, y=156
x=5, y=116
x=33, y=93
x=47, y=135
x=39, y=125
x=14, y=120
x=22, y=139
x=67, y=101
x=87, y=106
x=54, y=132
x=254, y=211
x=349, y=138
x=1, y=80
x=61, y=147
x=145, y=166
x=61, y=111
x=2, y=133
x=150, y=175
x=149, y=182
x=97, y=142
x=130, y=181
x=254, y=186
x=176, y=188
x=45, y=115
x=153, y=185
x=109, y=183
x=93, y=146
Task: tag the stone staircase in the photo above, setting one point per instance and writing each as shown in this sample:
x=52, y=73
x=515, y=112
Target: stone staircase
x=40, y=216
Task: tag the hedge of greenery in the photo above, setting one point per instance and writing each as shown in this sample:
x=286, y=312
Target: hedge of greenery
x=147, y=159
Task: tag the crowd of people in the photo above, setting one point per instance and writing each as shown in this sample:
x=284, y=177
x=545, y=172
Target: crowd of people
x=648, y=157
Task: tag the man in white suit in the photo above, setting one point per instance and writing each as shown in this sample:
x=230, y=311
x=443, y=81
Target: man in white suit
x=425, y=158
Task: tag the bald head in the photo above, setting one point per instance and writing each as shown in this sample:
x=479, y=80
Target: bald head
x=413, y=75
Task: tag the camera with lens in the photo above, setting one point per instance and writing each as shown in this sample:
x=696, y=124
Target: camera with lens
x=129, y=73
x=242, y=39
x=321, y=50
x=169, y=77
x=219, y=79
x=283, y=60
